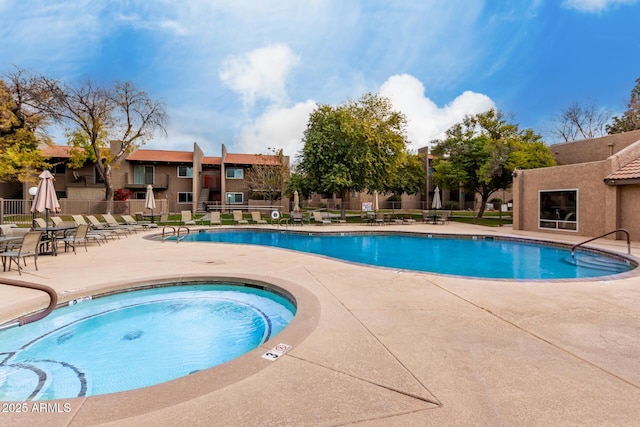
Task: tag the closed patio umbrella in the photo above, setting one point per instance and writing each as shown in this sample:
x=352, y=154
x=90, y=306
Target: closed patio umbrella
x=45, y=198
x=150, y=200
x=296, y=201
x=437, y=203
x=375, y=201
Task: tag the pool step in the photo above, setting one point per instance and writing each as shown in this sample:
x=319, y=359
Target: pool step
x=598, y=263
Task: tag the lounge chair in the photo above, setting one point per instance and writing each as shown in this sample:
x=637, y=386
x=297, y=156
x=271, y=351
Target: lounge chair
x=379, y=218
x=238, y=219
x=40, y=222
x=257, y=218
x=101, y=234
x=12, y=230
x=141, y=221
x=97, y=225
x=29, y=246
x=212, y=218
x=318, y=218
x=186, y=218
x=113, y=224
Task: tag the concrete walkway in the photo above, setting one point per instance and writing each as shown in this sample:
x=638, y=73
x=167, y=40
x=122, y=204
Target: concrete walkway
x=372, y=346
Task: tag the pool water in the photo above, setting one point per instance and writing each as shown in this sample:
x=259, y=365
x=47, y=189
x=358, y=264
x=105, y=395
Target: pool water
x=479, y=257
x=136, y=339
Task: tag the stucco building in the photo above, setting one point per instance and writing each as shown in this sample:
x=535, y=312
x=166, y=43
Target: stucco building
x=594, y=189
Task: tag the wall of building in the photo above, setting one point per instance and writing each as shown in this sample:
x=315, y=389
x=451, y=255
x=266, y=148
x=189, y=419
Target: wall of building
x=591, y=150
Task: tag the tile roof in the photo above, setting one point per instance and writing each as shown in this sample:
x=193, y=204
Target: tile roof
x=207, y=160
x=161, y=156
x=629, y=171
x=59, y=151
x=252, y=159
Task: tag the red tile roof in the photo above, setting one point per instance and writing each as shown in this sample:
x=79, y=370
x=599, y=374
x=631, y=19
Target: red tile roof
x=629, y=171
x=211, y=160
x=252, y=159
x=161, y=156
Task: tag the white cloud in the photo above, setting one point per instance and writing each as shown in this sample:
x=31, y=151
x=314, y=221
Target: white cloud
x=260, y=74
x=277, y=128
x=427, y=121
x=594, y=6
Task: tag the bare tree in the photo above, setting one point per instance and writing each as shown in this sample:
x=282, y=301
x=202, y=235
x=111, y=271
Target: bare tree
x=104, y=124
x=267, y=177
x=580, y=120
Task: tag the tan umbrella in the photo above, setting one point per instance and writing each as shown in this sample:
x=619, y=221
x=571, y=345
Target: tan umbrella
x=45, y=198
x=296, y=201
x=150, y=200
x=375, y=201
x=437, y=203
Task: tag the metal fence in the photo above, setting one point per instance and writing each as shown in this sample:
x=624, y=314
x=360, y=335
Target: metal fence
x=18, y=211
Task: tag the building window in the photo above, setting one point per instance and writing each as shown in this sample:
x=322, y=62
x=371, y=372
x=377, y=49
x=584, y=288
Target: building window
x=140, y=195
x=235, y=173
x=59, y=168
x=143, y=175
x=186, y=197
x=185, y=172
x=558, y=209
x=235, y=198
x=97, y=178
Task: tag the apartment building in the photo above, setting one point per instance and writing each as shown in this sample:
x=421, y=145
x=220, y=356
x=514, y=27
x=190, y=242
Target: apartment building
x=184, y=180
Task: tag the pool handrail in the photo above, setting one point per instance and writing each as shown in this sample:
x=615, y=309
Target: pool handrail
x=621, y=230
x=53, y=296
x=174, y=232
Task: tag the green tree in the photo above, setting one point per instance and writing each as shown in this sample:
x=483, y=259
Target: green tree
x=104, y=124
x=630, y=120
x=410, y=176
x=482, y=152
x=357, y=146
x=20, y=156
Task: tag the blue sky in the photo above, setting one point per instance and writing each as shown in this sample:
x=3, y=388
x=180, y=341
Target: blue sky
x=248, y=73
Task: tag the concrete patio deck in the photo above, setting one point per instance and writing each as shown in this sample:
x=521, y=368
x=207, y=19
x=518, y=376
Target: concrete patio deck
x=372, y=346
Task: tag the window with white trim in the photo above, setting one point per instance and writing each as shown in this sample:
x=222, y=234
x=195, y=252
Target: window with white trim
x=234, y=198
x=185, y=197
x=185, y=172
x=558, y=209
x=235, y=173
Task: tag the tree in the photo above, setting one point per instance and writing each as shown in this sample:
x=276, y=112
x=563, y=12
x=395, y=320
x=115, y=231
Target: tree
x=20, y=157
x=410, y=177
x=104, y=124
x=357, y=146
x=630, y=120
x=482, y=152
x=580, y=120
x=267, y=177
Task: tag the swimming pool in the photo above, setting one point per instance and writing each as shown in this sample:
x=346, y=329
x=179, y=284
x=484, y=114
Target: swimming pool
x=136, y=339
x=471, y=256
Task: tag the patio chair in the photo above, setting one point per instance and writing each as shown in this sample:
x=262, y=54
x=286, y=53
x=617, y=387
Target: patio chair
x=81, y=235
x=238, y=219
x=296, y=218
x=257, y=218
x=93, y=231
x=145, y=224
x=186, y=218
x=97, y=225
x=380, y=218
x=317, y=217
x=29, y=246
x=40, y=222
x=444, y=217
x=128, y=220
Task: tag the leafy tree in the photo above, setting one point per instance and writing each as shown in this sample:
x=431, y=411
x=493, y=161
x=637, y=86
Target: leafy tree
x=482, y=152
x=357, y=146
x=410, y=176
x=267, y=177
x=20, y=157
x=630, y=120
x=104, y=124
x=580, y=120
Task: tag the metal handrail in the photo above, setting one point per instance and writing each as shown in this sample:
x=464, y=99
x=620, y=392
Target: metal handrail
x=53, y=301
x=622, y=230
x=174, y=232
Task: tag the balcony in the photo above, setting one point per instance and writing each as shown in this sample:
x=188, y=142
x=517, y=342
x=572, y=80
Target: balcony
x=160, y=182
